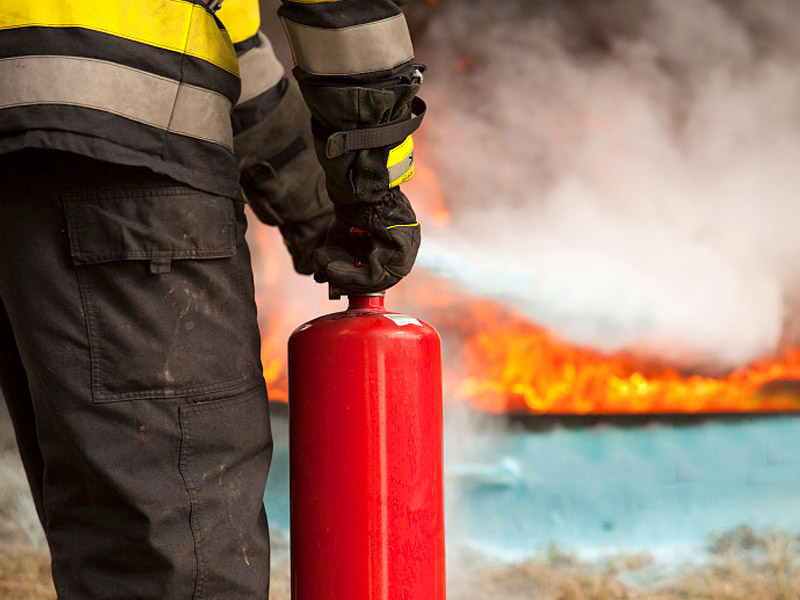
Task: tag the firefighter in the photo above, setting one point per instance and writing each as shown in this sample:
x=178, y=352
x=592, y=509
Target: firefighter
x=129, y=349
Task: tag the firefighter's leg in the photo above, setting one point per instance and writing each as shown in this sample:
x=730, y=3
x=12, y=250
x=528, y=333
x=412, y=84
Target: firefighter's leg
x=131, y=301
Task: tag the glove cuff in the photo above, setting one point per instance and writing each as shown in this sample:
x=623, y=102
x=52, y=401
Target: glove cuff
x=357, y=127
x=280, y=174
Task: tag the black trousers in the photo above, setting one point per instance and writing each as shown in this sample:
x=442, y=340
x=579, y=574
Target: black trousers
x=129, y=359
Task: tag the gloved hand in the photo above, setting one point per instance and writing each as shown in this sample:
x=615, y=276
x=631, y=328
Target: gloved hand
x=362, y=136
x=302, y=238
x=282, y=178
x=394, y=237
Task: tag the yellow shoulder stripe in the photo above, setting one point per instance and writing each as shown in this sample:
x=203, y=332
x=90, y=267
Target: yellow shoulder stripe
x=174, y=25
x=241, y=18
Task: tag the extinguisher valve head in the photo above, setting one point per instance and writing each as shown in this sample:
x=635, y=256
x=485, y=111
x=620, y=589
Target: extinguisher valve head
x=335, y=293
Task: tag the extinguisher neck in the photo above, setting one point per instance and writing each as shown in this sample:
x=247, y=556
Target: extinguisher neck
x=366, y=301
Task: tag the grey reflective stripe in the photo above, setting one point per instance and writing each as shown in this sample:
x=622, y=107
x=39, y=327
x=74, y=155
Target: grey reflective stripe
x=260, y=70
x=350, y=50
x=397, y=170
x=137, y=95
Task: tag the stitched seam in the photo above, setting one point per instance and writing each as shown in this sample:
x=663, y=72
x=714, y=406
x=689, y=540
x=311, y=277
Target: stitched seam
x=95, y=344
x=194, y=502
x=178, y=91
x=210, y=252
x=232, y=225
x=191, y=488
x=349, y=27
x=185, y=392
x=96, y=196
x=243, y=398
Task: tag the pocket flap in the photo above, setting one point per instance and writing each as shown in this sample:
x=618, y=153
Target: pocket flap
x=155, y=224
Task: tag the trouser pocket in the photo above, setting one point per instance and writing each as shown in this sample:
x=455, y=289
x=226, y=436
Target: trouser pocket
x=166, y=293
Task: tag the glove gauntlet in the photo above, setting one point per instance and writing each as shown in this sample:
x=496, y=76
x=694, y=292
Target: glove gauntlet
x=283, y=180
x=354, y=66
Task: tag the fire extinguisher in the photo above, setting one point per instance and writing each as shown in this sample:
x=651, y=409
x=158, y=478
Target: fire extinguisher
x=365, y=442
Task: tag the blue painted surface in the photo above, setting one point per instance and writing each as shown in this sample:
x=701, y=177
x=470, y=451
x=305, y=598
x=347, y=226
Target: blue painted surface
x=606, y=489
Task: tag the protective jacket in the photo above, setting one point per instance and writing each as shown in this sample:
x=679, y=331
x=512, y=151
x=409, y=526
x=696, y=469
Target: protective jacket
x=167, y=83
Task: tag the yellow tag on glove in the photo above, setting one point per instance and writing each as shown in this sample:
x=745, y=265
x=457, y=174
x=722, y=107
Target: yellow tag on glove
x=401, y=162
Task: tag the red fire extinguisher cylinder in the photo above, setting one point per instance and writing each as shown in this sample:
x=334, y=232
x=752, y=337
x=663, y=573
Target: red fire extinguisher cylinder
x=365, y=425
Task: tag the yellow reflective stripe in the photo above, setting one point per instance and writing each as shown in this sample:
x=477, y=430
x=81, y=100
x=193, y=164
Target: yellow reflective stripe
x=137, y=95
x=401, y=162
x=404, y=225
x=375, y=46
x=241, y=18
x=174, y=25
x=392, y=272
x=400, y=151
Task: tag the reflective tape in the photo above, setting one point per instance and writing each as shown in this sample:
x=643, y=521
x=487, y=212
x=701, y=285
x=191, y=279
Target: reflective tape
x=175, y=25
x=375, y=46
x=123, y=91
x=401, y=163
x=260, y=70
x=415, y=224
x=241, y=18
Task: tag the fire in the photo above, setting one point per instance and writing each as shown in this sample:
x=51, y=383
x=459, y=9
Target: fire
x=515, y=366
x=428, y=196
x=284, y=301
x=498, y=362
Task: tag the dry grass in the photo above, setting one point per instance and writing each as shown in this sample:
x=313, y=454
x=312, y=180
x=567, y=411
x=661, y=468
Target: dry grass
x=741, y=565
x=24, y=560
x=25, y=573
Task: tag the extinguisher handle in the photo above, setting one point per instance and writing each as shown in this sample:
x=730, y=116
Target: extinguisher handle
x=362, y=246
x=334, y=293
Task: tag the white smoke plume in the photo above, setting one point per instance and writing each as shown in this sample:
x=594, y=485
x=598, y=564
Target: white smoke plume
x=625, y=173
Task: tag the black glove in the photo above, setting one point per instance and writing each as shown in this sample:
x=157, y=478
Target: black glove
x=391, y=247
x=302, y=238
x=282, y=178
x=362, y=139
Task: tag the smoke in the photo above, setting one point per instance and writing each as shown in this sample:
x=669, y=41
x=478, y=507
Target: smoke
x=625, y=173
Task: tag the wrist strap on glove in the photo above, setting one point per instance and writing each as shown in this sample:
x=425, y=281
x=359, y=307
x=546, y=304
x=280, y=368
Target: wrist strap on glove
x=388, y=134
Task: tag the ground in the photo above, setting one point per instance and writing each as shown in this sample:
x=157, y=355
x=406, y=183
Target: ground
x=743, y=564
x=745, y=567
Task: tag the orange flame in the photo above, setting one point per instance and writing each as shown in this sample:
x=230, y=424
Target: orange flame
x=499, y=362
x=426, y=191
x=515, y=366
x=276, y=314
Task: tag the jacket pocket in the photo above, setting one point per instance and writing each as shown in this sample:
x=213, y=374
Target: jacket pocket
x=162, y=291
